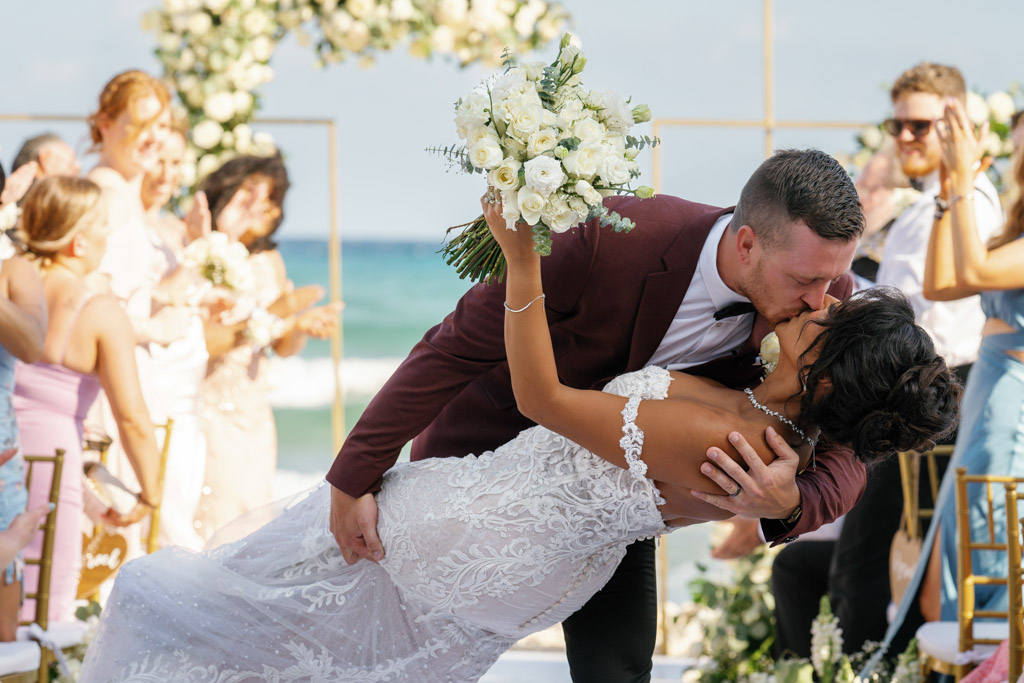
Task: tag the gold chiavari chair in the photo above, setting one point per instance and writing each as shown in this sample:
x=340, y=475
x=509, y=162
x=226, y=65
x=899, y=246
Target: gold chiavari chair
x=954, y=648
x=1015, y=581
x=152, y=540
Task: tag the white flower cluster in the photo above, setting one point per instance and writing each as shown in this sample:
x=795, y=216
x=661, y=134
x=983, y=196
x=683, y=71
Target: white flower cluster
x=997, y=109
x=221, y=261
x=216, y=52
x=263, y=328
x=552, y=148
x=826, y=642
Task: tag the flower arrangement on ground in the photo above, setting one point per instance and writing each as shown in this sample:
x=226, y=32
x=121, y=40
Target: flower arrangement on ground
x=551, y=150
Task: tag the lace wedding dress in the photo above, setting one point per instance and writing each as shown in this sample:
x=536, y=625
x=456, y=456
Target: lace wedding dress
x=481, y=551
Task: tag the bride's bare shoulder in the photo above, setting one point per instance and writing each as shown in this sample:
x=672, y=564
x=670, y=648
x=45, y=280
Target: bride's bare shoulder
x=688, y=386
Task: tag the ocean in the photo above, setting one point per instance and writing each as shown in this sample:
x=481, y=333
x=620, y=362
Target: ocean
x=394, y=292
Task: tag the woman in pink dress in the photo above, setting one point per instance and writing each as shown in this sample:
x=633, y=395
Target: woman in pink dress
x=89, y=345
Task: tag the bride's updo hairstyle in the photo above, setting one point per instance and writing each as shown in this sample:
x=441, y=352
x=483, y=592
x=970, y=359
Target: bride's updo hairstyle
x=877, y=384
x=54, y=211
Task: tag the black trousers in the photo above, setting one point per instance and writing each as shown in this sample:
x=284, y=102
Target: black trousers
x=611, y=638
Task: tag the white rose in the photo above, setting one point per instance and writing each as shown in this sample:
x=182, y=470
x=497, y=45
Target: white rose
x=206, y=134
x=261, y=48
x=199, y=24
x=472, y=113
x=872, y=137
x=486, y=153
x=217, y=6
x=169, y=42
x=588, y=130
x=993, y=144
x=188, y=82
x=613, y=169
x=401, y=10
x=977, y=110
x=531, y=203
x=475, y=135
x=243, y=136
x=451, y=12
x=544, y=175
x=558, y=216
x=1002, y=107
x=256, y=22
x=219, y=106
x=541, y=141
x=587, y=191
x=264, y=143
x=217, y=60
x=243, y=101
x=358, y=36
x=583, y=162
x=524, y=115
x=207, y=165
x=361, y=8
x=510, y=209
x=505, y=176
x=442, y=39
x=227, y=140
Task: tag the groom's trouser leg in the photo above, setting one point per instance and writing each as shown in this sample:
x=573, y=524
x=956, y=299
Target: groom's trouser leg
x=611, y=638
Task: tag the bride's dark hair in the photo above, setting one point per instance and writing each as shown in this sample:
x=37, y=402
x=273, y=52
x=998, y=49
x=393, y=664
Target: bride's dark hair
x=877, y=384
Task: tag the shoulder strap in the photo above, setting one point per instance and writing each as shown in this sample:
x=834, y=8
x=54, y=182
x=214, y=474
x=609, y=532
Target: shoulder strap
x=71, y=326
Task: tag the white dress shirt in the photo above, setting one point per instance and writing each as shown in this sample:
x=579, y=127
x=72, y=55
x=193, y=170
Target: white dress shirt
x=694, y=336
x=955, y=326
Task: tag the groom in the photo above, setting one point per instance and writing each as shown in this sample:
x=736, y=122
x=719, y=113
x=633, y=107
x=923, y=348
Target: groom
x=676, y=292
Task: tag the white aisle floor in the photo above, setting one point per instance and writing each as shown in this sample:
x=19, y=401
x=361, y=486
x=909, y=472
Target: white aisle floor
x=520, y=666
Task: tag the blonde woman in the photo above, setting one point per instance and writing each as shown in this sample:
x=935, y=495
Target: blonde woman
x=89, y=344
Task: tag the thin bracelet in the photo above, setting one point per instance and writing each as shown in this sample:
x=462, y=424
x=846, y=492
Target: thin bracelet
x=520, y=310
x=957, y=197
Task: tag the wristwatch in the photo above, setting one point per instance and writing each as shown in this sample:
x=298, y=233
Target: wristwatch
x=941, y=207
x=794, y=516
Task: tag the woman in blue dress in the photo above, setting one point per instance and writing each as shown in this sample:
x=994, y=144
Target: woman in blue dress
x=991, y=434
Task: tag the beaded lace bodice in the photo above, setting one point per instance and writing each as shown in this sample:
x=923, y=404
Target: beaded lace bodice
x=480, y=551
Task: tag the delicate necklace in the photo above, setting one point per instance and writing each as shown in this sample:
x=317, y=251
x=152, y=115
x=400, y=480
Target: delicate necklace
x=785, y=420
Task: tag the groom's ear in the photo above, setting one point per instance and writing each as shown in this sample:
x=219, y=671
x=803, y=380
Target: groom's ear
x=746, y=243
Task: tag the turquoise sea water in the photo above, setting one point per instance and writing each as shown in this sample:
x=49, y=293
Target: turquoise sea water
x=394, y=292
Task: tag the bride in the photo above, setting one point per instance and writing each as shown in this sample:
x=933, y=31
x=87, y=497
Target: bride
x=485, y=549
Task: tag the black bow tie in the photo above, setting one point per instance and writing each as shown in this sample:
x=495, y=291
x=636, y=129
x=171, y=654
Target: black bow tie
x=737, y=308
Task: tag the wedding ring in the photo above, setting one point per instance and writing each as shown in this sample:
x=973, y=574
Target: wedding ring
x=490, y=197
x=739, y=489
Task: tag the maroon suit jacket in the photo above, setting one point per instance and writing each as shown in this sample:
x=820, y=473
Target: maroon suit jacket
x=610, y=299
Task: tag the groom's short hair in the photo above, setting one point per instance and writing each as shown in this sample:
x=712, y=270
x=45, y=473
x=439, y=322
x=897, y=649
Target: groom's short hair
x=795, y=184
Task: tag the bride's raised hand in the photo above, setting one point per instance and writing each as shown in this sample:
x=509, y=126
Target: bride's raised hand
x=516, y=245
x=963, y=150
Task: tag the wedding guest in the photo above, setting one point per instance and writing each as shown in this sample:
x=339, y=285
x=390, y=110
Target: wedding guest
x=89, y=344
x=961, y=264
x=177, y=369
x=879, y=187
x=127, y=129
x=22, y=332
x=52, y=156
x=246, y=199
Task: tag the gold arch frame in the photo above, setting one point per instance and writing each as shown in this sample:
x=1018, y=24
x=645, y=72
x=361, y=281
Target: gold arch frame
x=333, y=242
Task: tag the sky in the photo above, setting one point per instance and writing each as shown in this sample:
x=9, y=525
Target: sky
x=684, y=58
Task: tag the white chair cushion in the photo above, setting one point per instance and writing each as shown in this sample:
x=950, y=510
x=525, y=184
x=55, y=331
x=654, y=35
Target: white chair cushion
x=18, y=657
x=941, y=640
x=64, y=634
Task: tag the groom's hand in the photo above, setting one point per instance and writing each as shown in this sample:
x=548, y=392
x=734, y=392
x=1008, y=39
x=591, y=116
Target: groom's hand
x=354, y=525
x=765, y=491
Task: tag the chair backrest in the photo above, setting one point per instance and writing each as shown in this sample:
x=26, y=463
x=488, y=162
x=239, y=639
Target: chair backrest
x=911, y=478
x=990, y=541
x=1015, y=581
x=45, y=560
x=152, y=541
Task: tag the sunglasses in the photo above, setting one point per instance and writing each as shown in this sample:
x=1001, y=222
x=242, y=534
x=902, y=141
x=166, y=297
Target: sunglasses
x=917, y=127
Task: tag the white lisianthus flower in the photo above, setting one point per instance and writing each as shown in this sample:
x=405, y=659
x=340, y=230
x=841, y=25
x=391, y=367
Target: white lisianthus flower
x=587, y=191
x=256, y=22
x=531, y=204
x=1001, y=105
x=199, y=24
x=872, y=137
x=613, y=169
x=569, y=54
x=583, y=162
x=588, y=131
x=219, y=106
x=510, y=209
x=615, y=113
x=486, y=153
x=977, y=110
x=512, y=82
x=559, y=216
x=207, y=134
x=505, y=176
x=541, y=141
x=534, y=70
x=472, y=113
x=544, y=175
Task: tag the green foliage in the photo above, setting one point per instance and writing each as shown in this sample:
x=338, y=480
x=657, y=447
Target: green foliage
x=642, y=141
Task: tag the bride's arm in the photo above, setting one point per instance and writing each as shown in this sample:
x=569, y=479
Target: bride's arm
x=677, y=433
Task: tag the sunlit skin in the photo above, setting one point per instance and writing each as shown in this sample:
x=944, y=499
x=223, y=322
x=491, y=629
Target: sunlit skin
x=918, y=156
x=250, y=214
x=57, y=158
x=785, y=279
x=129, y=151
x=164, y=178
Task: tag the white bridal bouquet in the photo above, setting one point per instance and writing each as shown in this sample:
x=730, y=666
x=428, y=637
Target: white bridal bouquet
x=551, y=149
x=222, y=262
